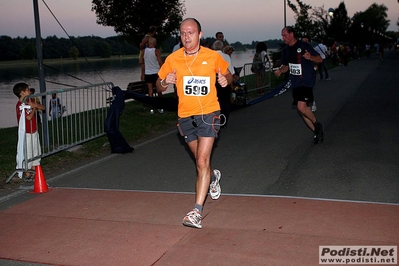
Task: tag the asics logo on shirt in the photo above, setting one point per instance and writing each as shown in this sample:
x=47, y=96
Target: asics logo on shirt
x=196, y=81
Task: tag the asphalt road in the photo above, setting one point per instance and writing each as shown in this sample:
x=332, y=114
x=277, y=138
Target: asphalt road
x=266, y=148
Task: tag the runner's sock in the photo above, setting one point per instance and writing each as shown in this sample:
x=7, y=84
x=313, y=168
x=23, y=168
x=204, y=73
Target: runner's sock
x=198, y=207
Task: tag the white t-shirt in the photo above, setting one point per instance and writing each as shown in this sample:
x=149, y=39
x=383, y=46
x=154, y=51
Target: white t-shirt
x=176, y=47
x=227, y=58
x=151, y=61
x=322, y=50
x=265, y=58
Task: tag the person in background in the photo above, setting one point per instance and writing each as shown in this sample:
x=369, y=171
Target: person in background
x=345, y=50
x=27, y=129
x=55, y=107
x=220, y=37
x=298, y=58
x=151, y=58
x=144, y=43
x=223, y=93
x=178, y=45
x=322, y=50
x=229, y=51
x=306, y=38
x=368, y=52
x=381, y=51
x=334, y=53
x=205, y=43
x=260, y=74
x=193, y=69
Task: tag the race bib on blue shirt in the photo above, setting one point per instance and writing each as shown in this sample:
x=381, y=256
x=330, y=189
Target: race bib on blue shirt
x=295, y=69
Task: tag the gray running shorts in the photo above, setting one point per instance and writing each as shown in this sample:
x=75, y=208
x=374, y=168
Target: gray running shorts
x=195, y=126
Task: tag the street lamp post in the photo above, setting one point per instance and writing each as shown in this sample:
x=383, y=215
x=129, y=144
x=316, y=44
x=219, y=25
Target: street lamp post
x=285, y=14
x=331, y=12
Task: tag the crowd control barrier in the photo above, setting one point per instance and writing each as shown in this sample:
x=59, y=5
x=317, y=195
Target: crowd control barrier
x=71, y=117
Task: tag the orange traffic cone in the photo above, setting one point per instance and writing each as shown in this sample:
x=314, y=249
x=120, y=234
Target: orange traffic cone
x=40, y=185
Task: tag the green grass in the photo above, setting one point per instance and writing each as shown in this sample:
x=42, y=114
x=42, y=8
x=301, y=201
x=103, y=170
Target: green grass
x=136, y=124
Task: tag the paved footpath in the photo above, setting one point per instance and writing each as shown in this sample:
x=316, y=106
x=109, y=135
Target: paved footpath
x=282, y=196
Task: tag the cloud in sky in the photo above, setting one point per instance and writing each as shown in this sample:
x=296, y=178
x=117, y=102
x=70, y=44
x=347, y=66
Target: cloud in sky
x=239, y=20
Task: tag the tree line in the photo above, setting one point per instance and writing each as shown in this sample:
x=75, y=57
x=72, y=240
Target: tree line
x=90, y=46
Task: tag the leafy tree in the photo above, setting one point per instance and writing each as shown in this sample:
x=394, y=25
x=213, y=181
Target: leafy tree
x=321, y=22
x=132, y=18
x=74, y=52
x=103, y=49
x=303, y=24
x=28, y=51
x=368, y=24
x=340, y=23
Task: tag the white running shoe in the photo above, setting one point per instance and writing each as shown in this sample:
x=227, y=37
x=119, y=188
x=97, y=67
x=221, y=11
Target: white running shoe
x=193, y=219
x=214, y=187
x=314, y=107
x=151, y=111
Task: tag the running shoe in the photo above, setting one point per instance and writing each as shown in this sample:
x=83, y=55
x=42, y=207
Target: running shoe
x=318, y=133
x=151, y=111
x=314, y=107
x=193, y=219
x=160, y=111
x=214, y=187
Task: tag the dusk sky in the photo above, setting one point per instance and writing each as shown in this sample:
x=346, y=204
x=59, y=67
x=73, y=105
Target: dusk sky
x=239, y=20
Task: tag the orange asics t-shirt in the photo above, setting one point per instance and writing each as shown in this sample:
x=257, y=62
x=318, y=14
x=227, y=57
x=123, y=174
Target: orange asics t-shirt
x=196, y=78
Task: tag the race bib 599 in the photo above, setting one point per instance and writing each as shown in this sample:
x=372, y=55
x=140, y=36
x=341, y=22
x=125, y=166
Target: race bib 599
x=196, y=85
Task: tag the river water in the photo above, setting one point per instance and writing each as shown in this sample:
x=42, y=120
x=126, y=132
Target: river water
x=119, y=71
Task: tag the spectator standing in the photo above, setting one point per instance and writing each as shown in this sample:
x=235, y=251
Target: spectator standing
x=177, y=46
x=223, y=93
x=27, y=129
x=323, y=52
x=144, y=43
x=151, y=59
x=368, y=52
x=229, y=51
x=334, y=53
x=298, y=58
x=206, y=44
x=193, y=69
x=381, y=51
x=260, y=73
x=307, y=39
x=345, y=53
x=220, y=37
x=55, y=107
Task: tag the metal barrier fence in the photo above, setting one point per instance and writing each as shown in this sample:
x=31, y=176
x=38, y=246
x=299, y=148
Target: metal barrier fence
x=71, y=117
x=258, y=82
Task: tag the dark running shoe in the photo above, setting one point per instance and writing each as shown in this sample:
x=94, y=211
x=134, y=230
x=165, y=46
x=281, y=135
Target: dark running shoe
x=318, y=133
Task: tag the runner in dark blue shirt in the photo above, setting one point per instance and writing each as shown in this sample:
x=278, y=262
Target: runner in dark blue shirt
x=298, y=59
